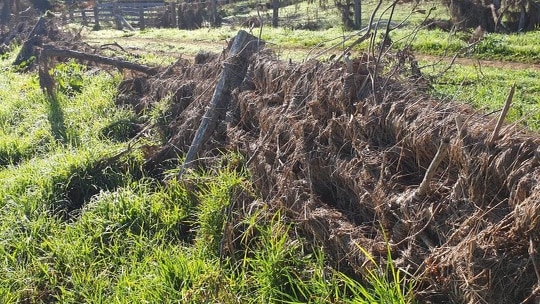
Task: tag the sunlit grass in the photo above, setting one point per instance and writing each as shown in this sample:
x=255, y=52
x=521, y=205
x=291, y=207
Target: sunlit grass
x=486, y=88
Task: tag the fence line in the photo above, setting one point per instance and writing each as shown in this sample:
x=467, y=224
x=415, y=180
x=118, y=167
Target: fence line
x=136, y=14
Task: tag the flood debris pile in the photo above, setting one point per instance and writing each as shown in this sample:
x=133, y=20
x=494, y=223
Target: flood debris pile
x=346, y=151
x=343, y=155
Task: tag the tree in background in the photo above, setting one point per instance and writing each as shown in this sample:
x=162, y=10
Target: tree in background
x=351, y=11
x=11, y=8
x=495, y=15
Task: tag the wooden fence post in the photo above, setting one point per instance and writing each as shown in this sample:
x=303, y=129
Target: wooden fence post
x=173, y=14
x=141, y=18
x=213, y=11
x=357, y=14
x=275, y=13
x=84, y=20
x=97, y=27
x=71, y=14
x=234, y=70
x=181, y=9
x=116, y=16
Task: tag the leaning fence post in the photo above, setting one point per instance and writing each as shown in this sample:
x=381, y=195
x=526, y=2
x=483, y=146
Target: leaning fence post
x=234, y=71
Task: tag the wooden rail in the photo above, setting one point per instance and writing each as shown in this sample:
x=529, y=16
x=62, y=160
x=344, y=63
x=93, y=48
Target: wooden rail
x=135, y=14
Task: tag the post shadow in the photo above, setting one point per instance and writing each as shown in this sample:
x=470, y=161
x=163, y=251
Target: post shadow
x=56, y=119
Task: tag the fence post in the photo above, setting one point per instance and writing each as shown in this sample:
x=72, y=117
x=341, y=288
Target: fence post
x=97, y=27
x=173, y=14
x=71, y=14
x=213, y=11
x=181, y=10
x=141, y=18
x=84, y=20
x=116, y=17
x=275, y=13
x=357, y=14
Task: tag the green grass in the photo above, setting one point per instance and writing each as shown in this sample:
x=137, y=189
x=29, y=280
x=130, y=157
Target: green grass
x=291, y=41
x=81, y=223
x=486, y=88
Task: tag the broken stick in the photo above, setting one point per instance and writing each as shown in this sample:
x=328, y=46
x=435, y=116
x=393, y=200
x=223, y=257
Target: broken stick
x=504, y=111
x=424, y=185
x=47, y=82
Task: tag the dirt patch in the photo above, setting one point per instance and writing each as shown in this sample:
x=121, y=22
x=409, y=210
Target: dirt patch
x=343, y=151
x=479, y=62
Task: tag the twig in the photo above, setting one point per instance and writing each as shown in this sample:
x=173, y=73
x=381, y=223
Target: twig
x=106, y=45
x=386, y=36
x=504, y=111
x=454, y=58
x=365, y=36
x=532, y=252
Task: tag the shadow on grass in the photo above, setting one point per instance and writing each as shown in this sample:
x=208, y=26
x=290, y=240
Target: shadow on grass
x=56, y=119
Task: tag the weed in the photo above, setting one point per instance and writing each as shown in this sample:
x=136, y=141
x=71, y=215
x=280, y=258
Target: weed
x=386, y=284
x=69, y=77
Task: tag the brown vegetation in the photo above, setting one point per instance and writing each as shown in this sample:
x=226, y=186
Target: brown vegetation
x=343, y=154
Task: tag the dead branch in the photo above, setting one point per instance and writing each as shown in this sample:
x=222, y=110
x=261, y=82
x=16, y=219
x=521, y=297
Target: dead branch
x=51, y=51
x=362, y=38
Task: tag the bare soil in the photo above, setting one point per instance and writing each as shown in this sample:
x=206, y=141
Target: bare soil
x=511, y=65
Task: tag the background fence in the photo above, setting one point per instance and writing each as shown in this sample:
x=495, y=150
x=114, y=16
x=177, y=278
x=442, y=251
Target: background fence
x=140, y=15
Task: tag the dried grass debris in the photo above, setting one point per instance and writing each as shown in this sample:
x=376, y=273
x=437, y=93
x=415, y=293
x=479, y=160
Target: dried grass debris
x=342, y=163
